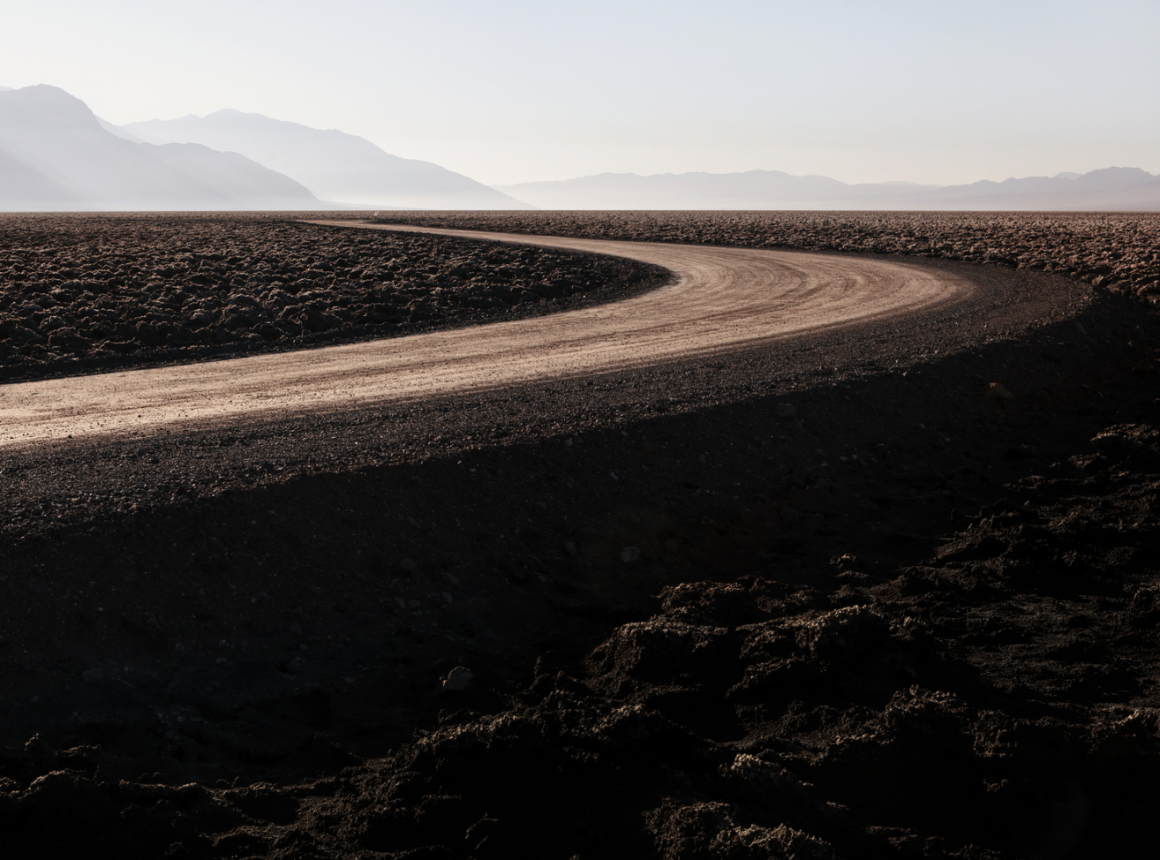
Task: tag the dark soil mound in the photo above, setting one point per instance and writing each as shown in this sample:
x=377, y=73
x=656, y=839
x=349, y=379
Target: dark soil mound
x=992, y=696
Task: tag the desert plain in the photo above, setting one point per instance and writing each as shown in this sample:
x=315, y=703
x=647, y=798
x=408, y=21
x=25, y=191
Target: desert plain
x=880, y=589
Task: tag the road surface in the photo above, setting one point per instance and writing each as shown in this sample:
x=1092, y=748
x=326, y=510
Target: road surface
x=722, y=300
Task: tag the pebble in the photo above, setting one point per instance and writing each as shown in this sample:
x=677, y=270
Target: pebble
x=630, y=554
x=998, y=391
x=458, y=679
x=786, y=410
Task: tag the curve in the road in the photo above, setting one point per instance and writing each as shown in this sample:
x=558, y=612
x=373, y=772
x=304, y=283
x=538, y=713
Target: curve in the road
x=723, y=300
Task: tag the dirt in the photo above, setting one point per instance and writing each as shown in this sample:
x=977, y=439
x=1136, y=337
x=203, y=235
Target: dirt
x=1113, y=251
x=720, y=300
x=90, y=292
x=756, y=605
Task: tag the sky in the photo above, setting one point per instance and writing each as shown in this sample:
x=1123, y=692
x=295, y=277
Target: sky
x=509, y=91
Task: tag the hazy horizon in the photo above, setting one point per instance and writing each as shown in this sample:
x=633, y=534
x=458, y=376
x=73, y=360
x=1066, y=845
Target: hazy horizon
x=511, y=92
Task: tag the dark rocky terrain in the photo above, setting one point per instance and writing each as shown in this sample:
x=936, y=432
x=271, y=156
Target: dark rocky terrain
x=1115, y=251
x=709, y=611
x=93, y=292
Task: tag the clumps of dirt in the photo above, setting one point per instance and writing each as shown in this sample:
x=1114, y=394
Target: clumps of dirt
x=992, y=696
x=1119, y=252
x=995, y=699
x=88, y=292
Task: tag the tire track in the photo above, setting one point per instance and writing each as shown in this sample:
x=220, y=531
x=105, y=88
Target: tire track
x=723, y=300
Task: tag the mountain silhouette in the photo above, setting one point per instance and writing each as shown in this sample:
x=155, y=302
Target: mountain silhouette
x=336, y=166
x=1111, y=188
x=55, y=155
x=1114, y=188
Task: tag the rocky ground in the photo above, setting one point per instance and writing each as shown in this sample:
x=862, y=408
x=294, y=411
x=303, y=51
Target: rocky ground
x=85, y=292
x=904, y=612
x=1117, y=252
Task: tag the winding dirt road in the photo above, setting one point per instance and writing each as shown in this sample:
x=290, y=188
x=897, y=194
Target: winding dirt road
x=723, y=300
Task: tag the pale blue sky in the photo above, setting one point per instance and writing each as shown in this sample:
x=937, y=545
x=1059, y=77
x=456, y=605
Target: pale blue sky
x=511, y=91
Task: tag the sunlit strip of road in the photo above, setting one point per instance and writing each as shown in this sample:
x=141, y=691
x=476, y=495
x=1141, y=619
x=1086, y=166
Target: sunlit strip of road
x=723, y=299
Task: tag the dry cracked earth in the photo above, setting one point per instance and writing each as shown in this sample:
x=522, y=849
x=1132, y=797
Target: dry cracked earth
x=833, y=603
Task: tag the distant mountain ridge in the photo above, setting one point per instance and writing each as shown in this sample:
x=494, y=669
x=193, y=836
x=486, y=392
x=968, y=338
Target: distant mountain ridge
x=1110, y=188
x=55, y=155
x=1113, y=188
x=336, y=166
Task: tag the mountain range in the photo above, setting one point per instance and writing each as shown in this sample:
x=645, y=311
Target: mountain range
x=1109, y=189
x=334, y=165
x=55, y=154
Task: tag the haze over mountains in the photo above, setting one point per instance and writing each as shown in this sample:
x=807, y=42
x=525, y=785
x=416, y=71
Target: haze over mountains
x=334, y=165
x=56, y=155
x=1110, y=189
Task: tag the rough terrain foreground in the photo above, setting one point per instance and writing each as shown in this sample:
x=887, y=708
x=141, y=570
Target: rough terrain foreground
x=889, y=592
